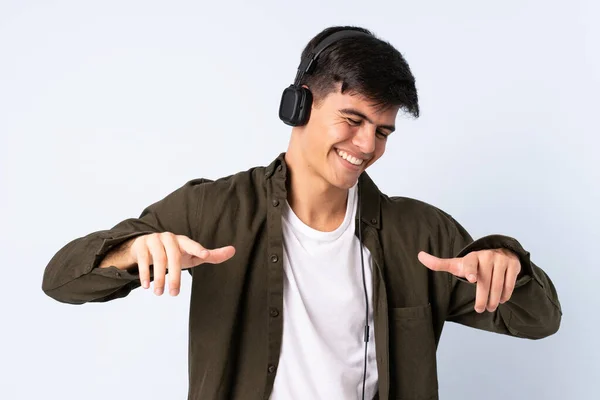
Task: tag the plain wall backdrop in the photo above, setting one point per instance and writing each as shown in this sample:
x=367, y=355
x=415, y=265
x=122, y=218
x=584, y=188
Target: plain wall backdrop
x=108, y=106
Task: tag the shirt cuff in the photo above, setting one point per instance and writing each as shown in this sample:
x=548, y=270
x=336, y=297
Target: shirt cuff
x=107, y=245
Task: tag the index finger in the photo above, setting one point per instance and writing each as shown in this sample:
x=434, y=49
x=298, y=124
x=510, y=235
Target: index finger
x=451, y=265
x=213, y=256
x=219, y=255
x=191, y=247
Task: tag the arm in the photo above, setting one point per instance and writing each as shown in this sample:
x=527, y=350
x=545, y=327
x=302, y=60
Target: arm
x=74, y=276
x=120, y=257
x=533, y=311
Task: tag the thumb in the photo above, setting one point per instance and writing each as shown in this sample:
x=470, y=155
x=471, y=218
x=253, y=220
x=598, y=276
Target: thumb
x=452, y=265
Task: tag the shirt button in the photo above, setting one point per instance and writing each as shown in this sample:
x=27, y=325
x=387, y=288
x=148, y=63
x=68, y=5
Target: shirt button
x=275, y=202
x=274, y=258
x=374, y=221
x=279, y=168
x=118, y=274
x=271, y=369
x=274, y=312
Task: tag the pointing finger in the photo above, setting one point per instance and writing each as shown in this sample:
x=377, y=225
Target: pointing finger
x=191, y=247
x=219, y=255
x=214, y=256
x=452, y=265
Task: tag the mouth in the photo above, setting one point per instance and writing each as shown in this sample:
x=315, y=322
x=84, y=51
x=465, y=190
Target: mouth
x=350, y=159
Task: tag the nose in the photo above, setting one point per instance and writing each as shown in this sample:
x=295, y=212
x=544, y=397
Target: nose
x=364, y=139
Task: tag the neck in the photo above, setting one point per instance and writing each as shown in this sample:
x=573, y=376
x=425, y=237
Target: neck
x=314, y=201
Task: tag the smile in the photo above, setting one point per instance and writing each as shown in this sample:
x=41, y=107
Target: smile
x=351, y=159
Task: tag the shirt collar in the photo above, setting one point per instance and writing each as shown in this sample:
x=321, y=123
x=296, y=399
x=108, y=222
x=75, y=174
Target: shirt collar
x=369, y=194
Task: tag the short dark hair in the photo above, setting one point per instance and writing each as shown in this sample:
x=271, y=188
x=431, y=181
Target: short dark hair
x=365, y=65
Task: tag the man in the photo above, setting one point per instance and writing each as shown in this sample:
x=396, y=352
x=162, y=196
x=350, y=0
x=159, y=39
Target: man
x=313, y=283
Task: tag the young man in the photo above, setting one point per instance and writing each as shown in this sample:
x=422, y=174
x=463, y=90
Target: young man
x=298, y=256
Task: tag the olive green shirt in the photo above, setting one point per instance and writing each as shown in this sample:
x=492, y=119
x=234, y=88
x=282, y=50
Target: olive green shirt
x=236, y=310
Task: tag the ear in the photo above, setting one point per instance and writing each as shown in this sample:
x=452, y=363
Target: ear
x=305, y=86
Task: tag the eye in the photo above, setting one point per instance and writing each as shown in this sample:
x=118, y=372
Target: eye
x=381, y=135
x=352, y=122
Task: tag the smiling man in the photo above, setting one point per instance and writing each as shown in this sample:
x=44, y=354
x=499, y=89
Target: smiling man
x=308, y=282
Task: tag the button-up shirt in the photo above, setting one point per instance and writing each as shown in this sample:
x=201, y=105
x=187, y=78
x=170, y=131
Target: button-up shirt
x=236, y=310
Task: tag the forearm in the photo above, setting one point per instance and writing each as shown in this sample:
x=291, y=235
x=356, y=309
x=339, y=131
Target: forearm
x=97, y=268
x=74, y=276
x=119, y=257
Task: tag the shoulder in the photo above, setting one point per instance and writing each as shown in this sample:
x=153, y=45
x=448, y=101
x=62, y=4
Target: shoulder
x=410, y=212
x=242, y=183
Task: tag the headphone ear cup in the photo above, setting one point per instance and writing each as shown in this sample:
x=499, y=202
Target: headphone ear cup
x=305, y=106
x=296, y=102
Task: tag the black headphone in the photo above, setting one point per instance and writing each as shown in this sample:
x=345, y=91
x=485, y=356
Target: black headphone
x=296, y=101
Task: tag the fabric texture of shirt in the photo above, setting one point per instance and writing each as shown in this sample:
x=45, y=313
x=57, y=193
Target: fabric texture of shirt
x=236, y=308
x=323, y=348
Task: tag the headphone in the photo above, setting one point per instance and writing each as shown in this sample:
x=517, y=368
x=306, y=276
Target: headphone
x=294, y=110
x=296, y=101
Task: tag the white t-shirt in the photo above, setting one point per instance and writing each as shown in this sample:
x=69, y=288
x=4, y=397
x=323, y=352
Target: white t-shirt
x=322, y=351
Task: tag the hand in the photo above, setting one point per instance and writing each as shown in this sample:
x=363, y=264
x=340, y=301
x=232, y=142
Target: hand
x=495, y=272
x=173, y=252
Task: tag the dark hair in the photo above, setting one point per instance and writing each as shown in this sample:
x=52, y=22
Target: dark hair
x=367, y=66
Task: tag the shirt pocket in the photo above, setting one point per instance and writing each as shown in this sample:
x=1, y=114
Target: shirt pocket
x=413, y=367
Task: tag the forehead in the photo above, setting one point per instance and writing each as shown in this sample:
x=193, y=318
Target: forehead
x=336, y=101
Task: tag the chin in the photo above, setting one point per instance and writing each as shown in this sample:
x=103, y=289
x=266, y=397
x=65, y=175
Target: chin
x=343, y=183
x=342, y=175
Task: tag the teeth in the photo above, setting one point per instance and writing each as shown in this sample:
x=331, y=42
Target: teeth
x=349, y=158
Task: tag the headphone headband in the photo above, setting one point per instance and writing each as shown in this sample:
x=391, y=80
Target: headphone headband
x=307, y=65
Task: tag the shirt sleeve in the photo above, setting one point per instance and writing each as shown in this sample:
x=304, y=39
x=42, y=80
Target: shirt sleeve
x=532, y=312
x=72, y=275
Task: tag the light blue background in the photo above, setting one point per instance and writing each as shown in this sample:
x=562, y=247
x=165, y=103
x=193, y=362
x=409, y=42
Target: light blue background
x=107, y=106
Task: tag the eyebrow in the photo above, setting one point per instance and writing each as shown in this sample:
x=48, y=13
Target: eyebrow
x=357, y=113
